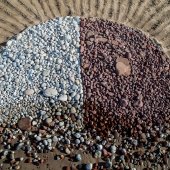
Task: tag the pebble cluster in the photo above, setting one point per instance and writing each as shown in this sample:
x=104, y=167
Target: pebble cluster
x=89, y=85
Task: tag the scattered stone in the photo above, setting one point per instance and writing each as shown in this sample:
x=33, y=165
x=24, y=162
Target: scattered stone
x=50, y=92
x=123, y=66
x=78, y=157
x=67, y=151
x=24, y=124
x=63, y=98
x=48, y=121
x=29, y=92
x=89, y=166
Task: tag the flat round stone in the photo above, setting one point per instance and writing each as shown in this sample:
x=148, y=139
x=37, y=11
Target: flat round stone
x=50, y=92
x=63, y=98
x=29, y=92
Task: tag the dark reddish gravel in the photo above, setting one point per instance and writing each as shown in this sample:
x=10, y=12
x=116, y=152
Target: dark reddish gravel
x=126, y=81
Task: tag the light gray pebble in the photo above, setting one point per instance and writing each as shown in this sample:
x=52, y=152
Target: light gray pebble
x=99, y=147
x=73, y=110
x=77, y=135
x=63, y=98
x=78, y=157
x=38, y=138
x=61, y=124
x=113, y=149
x=48, y=120
x=98, y=154
x=45, y=142
x=77, y=141
x=50, y=92
x=29, y=92
x=67, y=151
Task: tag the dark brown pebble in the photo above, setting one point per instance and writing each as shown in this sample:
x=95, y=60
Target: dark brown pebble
x=24, y=124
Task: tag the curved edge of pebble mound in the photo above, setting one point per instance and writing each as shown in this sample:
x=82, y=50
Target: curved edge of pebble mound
x=152, y=17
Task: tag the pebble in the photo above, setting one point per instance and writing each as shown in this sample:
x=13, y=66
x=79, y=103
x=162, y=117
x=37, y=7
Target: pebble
x=89, y=166
x=38, y=138
x=108, y=164
x=29, y=92
x=50, y=92
x=63, y=98
x=78, y=157
x=55, y=139
x=77, y=135
x=67, y=151
x=73, y=110
x=99, y=147
x=98, y=154
x=113, y=149
x=24, y=124
x=48, y=120
x=123, y=66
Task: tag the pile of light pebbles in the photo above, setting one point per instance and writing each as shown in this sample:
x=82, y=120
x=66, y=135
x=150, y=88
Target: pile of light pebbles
x=41, y=66
x=41, y=93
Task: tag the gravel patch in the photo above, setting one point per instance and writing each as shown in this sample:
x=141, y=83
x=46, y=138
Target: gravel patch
x=109, y=97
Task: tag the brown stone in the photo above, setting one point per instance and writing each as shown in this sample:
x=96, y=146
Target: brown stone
x=24, y=124
x=123, y=66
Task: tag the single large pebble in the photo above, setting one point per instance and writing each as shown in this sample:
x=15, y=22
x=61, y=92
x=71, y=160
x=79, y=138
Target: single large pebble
x=59, y=61
x=29, y=92
x=77, y=135
x=67, y=151
x=78, y=157
x=123, y=67
x=55, y=139
x=24, y=124
x=19, y=36
x=48, y=120
x=98, y=154
x=46, y=72
x=38, y=138
x=89, y=166
x=63, y=98
x=99, y=147
x=113, y=149
x=73, y=110
x=50, y=92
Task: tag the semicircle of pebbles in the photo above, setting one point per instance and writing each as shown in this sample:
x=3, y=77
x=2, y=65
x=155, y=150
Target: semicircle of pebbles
x=75, y=76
